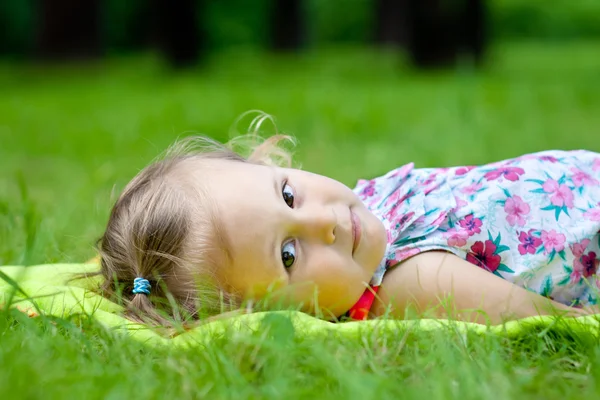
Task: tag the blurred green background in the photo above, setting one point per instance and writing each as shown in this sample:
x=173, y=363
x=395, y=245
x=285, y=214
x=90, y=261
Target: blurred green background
x=72, y=133
x=74, y=130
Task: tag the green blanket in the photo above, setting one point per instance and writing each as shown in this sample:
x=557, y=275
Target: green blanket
x=47, y=289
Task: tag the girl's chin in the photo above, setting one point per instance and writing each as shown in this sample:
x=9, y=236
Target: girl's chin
x=377, y=241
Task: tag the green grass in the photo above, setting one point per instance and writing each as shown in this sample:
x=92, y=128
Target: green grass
x=71, y=136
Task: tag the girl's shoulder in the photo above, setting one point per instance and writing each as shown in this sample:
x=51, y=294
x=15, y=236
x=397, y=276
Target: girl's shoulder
x=545, y=163
x=551, y=159
x=548, y=157
x=443, y=186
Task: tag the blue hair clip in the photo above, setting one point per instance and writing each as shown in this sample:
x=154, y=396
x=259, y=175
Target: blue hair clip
x=141, y=286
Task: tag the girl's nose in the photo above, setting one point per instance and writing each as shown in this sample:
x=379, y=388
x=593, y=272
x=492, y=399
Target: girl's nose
x=317, y=224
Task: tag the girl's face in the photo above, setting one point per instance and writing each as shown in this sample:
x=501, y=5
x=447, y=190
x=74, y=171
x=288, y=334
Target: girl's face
x=305, y=235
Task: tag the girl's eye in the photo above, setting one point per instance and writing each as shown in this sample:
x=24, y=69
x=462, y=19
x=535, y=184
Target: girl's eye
x=288, y=195
x=288, y=254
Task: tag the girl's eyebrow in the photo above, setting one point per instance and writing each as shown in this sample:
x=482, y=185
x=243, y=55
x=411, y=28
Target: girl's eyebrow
x=274, y=248
x=273, y=242
x=276, y=186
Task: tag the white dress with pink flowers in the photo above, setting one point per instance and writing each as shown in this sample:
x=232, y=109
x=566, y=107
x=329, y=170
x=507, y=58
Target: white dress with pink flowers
x=533, y=220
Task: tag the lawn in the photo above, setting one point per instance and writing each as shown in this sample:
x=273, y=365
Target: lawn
x=71, y=137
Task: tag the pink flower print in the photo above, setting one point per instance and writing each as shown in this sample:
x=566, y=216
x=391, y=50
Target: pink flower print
x=460, y=203
x=403, y=171
x=483, y=255
x=596, y=165
x=581, y=178
x=516, y=210
x=470, y=224
x=471, y=189
x=576, y=275
x=404, y=219
x=430, y=179
x=392, y=215
x=553, y=241
x=550, y=186
x=405, y=254
x=529, y=243
x=562, y=195
x=510, y=173
x=590, y=264
x=593, y=214
x=368, y=191
x=398, y=220
x=579, y=248
x=457, y=238
x=463, y=170
x=439, y=219
x=552, y=159
x=399, y=198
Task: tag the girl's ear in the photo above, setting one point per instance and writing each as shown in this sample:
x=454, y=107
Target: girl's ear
x=273, y=152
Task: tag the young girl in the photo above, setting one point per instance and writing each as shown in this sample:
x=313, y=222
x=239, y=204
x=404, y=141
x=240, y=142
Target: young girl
x=507, y=240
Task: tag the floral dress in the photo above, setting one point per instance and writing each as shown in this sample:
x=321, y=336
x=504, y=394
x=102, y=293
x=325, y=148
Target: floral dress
x=533, y=220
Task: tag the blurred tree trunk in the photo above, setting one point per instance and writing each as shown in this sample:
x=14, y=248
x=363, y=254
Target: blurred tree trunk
x=287, y=25
x=391, y=22
x=68, y=29
x=474, y=29
x=178, y=32
x=433, y=34
x=443, y=30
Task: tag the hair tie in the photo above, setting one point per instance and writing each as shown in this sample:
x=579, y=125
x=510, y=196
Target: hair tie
x=141, y=286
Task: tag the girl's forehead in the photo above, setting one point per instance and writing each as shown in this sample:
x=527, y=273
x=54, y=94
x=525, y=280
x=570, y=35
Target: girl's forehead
x=249, y=176
x=208, y=175
x=241, y=192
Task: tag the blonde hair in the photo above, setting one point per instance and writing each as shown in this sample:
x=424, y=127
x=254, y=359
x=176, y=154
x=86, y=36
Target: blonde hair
x=161, y=230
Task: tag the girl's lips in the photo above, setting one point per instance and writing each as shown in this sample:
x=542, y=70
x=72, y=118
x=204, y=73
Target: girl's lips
x=356, y=231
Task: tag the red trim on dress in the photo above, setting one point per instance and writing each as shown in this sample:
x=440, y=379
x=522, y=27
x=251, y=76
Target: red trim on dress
x=360, y=311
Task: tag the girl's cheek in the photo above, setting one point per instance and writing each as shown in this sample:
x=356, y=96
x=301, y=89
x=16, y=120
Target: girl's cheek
x=296, y=295
x=262, y=289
